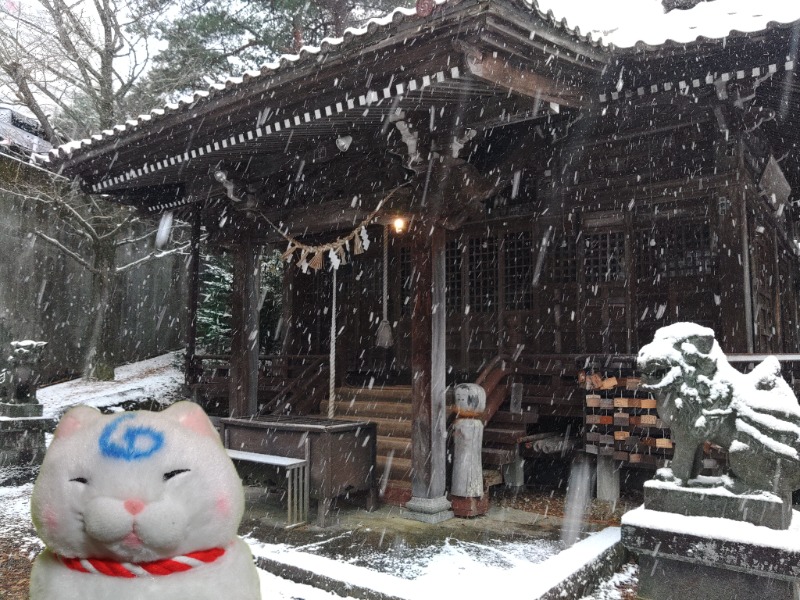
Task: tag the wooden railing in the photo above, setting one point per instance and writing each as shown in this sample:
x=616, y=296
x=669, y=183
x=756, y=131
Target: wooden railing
x=303, y=395
x=282, y=379
x=548, y=382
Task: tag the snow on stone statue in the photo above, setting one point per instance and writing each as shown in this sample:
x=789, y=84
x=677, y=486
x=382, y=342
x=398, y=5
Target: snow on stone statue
x=701, y=397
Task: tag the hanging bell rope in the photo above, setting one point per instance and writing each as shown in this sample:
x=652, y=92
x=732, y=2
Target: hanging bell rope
x=332, y=357
x=384, y=336
x=313, y=256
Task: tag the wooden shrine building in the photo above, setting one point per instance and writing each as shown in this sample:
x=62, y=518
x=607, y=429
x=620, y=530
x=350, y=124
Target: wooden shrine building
x=564, y=199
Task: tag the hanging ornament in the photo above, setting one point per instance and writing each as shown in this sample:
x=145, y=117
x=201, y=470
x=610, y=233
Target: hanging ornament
x=317, y=261
x=364, y=238
x=340, y=252
x=358, y=245
x=334, y=258
x=287, y=255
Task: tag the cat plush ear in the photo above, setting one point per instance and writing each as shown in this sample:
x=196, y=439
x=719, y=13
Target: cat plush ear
x=191, y=416
x=74, y=419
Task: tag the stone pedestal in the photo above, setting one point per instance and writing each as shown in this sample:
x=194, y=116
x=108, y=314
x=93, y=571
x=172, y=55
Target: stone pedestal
x=758, y=508
x=693, y=558
x=22, y=429
x=428, y=510
x=607, y=479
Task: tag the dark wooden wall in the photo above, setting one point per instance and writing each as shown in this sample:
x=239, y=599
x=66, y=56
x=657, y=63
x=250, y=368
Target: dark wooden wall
x=627, y=226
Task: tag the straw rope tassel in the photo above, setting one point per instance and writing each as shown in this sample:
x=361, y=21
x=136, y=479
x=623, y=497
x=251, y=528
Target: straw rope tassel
x=384, y=335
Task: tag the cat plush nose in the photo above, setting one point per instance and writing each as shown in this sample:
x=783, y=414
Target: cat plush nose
x=134, y=506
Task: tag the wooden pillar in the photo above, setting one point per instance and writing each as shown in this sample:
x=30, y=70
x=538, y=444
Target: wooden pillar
x=192, y=368
x=747, y=281
x=428, y=433
x=243, y=395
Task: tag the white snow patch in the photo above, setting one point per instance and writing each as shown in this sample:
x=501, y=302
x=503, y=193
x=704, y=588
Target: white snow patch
x=625, y=22
x=452, y=569
x=609, y=589
x=158, y=378
x=718, y=528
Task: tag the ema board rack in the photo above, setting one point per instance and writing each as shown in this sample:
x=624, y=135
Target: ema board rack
x=621, y=421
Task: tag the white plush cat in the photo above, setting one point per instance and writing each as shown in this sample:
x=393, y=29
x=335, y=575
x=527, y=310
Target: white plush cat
x=140, y=505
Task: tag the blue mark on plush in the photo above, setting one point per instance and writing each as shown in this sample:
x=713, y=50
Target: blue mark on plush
x=135, y=443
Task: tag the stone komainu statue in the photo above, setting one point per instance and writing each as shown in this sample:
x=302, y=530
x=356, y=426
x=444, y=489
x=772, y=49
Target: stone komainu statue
x=754, y=416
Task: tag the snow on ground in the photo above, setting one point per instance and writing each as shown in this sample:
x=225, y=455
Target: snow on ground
x=625, y=22
x=468, y=569
x=611, y=588
x=158, y=379
x=453, y=568
x=15, y=524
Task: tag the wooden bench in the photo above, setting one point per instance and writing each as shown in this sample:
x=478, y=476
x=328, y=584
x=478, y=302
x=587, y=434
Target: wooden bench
x=297, y=480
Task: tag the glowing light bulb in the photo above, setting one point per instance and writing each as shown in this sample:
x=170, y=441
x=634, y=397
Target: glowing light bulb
x=399, y=225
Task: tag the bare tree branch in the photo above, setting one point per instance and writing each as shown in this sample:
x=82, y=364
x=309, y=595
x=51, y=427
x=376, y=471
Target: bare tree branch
x=152, y=255
x=73, y=255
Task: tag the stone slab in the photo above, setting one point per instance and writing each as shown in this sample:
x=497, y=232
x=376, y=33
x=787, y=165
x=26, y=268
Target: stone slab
x=46, y=424
x=24, y=457
x=764, y=509
x=667, y=579
x=20, y=410
x=736, y=548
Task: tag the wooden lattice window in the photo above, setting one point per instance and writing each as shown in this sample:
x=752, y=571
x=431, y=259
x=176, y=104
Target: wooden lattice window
x=453, y=261
x=518, y=256
x=604, y=256
x=562, y=266
x=676, y=250
x=482, y=274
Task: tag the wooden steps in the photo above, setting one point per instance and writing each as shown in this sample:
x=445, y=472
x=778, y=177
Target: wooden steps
x=390, y=409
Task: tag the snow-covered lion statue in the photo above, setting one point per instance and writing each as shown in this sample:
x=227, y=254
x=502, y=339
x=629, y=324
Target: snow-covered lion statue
x=754, y=416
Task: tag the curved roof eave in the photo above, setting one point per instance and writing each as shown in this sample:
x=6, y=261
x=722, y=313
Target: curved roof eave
x=375, y=30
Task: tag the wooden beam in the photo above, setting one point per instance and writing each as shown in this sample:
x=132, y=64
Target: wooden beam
x=243, y=396
x=499, y=71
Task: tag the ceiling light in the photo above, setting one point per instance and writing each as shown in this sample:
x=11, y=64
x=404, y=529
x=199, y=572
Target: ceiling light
x=343, y=142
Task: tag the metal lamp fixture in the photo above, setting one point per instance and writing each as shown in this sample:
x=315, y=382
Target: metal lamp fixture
x=343, y=142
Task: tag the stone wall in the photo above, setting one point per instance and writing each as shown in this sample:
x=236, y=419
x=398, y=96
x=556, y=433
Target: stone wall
x=44, y=294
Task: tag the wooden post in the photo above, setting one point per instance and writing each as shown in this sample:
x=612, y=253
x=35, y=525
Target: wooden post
x=243, y=396
x=191, y=367
x=746, y=280
x=428, y=433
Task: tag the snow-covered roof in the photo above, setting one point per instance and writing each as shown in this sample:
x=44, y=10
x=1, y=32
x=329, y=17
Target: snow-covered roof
x=377, y=27
x=629, y=23
x=612, y=25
